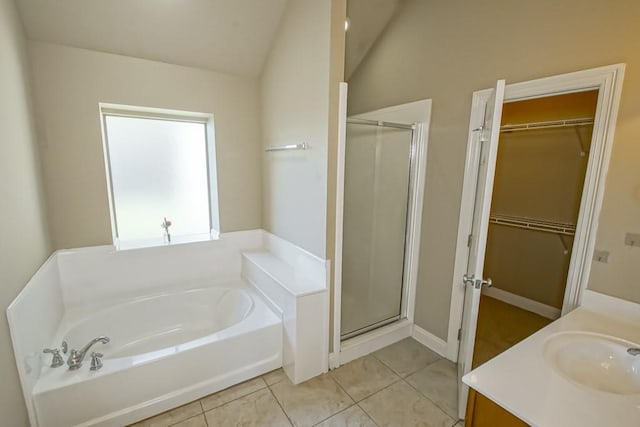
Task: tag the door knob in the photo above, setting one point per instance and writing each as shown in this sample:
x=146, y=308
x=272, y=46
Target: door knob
x=477, y=283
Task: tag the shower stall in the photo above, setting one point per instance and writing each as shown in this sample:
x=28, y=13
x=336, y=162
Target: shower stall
x=378, y=178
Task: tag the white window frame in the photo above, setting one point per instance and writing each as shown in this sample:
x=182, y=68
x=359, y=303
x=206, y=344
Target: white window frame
x=108, y=109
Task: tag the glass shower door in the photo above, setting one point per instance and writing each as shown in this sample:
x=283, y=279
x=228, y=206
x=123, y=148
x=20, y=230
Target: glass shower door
x=376, y=194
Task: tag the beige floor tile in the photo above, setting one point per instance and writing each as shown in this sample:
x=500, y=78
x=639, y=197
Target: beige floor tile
x=197, y=421
x=401, y=405
x=232, y=393
x=438, y=382
x=173, y=416
x=312, y=401
x=350, y=417
x=256, y=409
x=406, y=357
x=363, y=377
x=274, y=377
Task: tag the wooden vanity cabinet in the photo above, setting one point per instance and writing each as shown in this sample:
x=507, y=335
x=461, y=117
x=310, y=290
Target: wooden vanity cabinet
x=483, y=412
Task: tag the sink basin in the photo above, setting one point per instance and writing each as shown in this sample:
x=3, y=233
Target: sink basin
x=596, y=361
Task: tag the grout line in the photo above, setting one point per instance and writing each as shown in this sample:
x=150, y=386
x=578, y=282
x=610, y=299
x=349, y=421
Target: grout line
x=345, y=409
x=430, y=400
x=343, y=389
x=232, y=400
x=332, y=415
x=413, y=372
x=357, y=402
x=386, y=365
x=186, y=419
x=279, y=404
x=366, y=413
x=182, y=420
x=383, y=388
x=173, y=409
x=354, y=402
x=206, y=423
x=426, y=366
x=203, y=411
x=397, y=379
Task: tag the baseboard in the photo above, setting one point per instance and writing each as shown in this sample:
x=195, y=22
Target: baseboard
x=429, y=340
x=334, y=360
x=523, y=303
x=362, y=345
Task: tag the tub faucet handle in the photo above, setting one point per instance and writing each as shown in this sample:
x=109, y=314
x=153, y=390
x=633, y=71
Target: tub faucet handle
x=77, y=356
x=57, y=359
x=96, y=362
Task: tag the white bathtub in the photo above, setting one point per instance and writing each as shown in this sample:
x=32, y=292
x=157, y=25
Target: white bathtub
x=165, y=350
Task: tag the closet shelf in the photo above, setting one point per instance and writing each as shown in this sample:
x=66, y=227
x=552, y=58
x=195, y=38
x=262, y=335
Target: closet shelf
x=560, y=228
x=546, y=125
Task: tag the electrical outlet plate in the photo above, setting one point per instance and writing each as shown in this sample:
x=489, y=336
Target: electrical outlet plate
x=601, y=256
x=632, y=239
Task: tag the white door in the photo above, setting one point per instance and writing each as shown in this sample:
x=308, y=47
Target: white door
x=485, y=142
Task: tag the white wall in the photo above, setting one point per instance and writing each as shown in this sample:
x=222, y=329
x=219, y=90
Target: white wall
x=69, y=83
x=295, y=109
x=24, y=242
x=447, y=50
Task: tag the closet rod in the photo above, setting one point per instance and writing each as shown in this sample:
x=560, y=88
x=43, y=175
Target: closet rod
x=546, y=125
x=534, y=224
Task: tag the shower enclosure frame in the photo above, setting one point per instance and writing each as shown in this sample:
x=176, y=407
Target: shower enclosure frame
x=417, y=114
x=403, y=308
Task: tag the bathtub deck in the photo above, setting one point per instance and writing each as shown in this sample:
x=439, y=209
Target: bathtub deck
x=403, y=384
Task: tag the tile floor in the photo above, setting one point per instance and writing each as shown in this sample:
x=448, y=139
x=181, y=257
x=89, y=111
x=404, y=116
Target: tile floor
x=404, y=384
x=501, y=326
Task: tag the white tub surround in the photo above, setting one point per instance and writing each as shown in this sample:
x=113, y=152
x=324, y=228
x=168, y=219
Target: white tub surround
x=91, y=276
x=182, y=324
x=295, y=282
x=165, y=350
x=33, y=320
x=523, y=382
x=170, y=343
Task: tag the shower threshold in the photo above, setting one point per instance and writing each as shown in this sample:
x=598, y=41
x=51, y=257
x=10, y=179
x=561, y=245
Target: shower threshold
x=368, y=328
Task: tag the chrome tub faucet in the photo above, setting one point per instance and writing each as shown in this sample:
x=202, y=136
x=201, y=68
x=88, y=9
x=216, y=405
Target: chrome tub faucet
x=77, y=356
x=57, y=359
x=634, y=351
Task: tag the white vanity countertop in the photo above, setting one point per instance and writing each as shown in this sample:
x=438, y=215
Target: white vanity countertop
x=522, y=382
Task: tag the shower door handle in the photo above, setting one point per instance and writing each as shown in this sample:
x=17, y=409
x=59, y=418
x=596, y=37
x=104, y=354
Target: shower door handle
x=477, y=283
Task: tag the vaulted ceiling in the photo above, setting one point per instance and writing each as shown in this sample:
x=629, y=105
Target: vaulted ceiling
x=232, y=36
x=367, y=21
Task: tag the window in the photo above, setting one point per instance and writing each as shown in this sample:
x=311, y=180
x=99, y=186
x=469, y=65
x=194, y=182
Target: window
x=158, y=168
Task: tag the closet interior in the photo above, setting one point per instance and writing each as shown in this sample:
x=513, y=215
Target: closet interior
x=542, y=160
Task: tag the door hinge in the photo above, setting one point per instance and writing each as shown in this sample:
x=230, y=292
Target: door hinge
x=459, y=334
x=469, y=240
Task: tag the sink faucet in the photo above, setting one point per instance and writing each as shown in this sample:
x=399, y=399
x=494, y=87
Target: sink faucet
x=634, y=351
x=77, y=356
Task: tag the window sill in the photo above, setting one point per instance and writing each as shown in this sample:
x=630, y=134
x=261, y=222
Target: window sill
x=123, y=245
